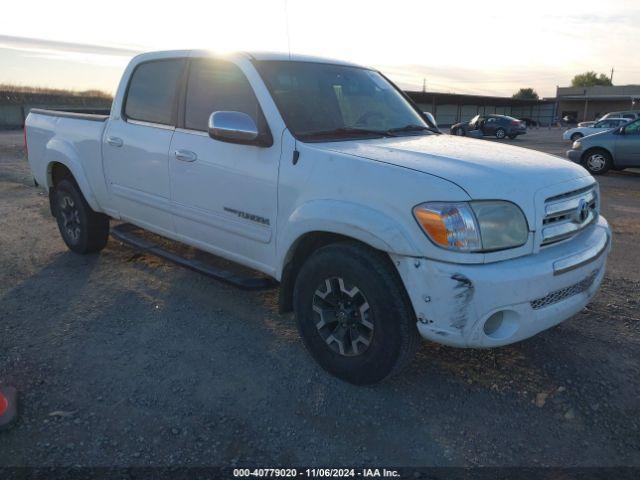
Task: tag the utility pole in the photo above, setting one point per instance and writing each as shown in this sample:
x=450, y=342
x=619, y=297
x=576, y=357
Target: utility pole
x=424, y=84
x=611, y=76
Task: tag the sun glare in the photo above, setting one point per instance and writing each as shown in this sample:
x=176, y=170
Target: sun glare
x=450, y=47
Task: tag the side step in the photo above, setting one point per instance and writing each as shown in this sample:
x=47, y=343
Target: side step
x=143, y=240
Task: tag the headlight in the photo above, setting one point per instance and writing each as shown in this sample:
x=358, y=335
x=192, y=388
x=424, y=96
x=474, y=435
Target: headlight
x=576, y=145
x=473, y=226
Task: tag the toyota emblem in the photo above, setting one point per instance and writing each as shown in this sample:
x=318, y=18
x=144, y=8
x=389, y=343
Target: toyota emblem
x=582, y=212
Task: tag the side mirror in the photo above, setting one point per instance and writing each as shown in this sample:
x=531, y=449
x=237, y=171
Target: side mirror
x=620, y=130
x=234, y=127
x=431, y=118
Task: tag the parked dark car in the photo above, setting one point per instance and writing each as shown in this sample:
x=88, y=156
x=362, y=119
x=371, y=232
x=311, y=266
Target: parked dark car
x=499, y=126
x=617, y=149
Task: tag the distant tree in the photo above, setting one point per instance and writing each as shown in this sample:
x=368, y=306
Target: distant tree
x=590, y=79
x=526, y=94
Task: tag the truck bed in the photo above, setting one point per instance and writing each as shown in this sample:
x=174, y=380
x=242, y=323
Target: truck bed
x=73, y=138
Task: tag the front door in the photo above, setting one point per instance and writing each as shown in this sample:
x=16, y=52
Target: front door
x=136, y=146
x=627, y=149
x=224, y=194
x=490, y=126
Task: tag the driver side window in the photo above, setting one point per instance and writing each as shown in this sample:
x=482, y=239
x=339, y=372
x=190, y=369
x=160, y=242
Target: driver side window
x=216, y=85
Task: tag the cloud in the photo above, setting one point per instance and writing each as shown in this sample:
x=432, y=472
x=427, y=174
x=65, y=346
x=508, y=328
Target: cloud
x=39, y=45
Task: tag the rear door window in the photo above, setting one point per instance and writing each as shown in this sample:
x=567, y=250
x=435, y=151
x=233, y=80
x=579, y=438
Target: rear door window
x=152, y=92
x=216, y=85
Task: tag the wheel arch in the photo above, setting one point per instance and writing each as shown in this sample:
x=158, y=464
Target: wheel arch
x=62, y=157
x=321, y=223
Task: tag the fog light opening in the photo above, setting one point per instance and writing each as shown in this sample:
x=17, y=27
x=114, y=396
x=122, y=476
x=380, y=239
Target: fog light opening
x=501, y=325
x=493, y=323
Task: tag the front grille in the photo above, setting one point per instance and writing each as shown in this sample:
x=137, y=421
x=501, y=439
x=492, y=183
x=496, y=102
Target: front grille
x=564, y=293
x=567, y=214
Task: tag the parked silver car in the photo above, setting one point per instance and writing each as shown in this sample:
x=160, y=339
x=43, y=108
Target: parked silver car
x=617, y=149
x=629, y=115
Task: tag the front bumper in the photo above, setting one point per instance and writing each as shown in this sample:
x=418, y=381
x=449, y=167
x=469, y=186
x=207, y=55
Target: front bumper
x=574, y=155
x=500, y=303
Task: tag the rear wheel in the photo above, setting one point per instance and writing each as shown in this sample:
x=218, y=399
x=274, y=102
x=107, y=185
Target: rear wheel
x=81, y=228
x=501, y=133
x=576, y=136
x=353, y=313
x=597, y=161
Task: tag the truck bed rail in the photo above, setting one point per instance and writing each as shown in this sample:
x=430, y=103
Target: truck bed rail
x=91, y=115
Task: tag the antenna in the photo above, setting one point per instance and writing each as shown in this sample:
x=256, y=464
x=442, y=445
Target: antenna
x=286, y=20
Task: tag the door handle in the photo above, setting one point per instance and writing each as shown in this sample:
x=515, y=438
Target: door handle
x=185, y=155
x=114, y=141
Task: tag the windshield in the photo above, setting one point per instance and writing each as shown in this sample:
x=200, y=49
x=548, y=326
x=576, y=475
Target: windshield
x=324, y=102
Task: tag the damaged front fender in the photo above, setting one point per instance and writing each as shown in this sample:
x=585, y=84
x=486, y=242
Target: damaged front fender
x=446, y=312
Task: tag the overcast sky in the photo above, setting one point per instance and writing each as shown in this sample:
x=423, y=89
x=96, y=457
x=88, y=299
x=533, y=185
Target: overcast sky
x=455, y=46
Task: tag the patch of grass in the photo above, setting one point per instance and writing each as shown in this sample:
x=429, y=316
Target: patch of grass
x=20, y=94
x=16, y=89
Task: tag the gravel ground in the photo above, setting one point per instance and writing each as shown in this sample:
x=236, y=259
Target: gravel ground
x=124, y=359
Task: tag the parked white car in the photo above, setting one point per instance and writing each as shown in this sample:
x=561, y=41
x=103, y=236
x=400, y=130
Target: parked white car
x=325, y=177
x=577, y=133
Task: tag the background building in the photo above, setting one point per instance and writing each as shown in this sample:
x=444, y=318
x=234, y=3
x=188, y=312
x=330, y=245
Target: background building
x=590, y=103
x=450, y=108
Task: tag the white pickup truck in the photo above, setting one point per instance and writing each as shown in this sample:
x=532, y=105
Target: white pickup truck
x=325, y=177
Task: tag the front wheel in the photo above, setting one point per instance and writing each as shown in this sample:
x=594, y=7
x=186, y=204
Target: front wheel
x=81, y=228
x=597, y=162
x=501, y=133
x=353, y=313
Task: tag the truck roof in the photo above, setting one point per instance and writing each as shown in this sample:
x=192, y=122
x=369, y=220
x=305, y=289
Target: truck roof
x=274, y=56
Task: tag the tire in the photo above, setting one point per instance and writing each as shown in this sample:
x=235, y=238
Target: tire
x=82, y=229
x=513, y=136
x=346, y=291
x=597, y=161
x=576, y=136
x=501, y=133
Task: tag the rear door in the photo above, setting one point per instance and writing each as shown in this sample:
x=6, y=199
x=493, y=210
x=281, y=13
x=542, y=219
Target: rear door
x=136, y=145
x=627, y=147
x=224, y=194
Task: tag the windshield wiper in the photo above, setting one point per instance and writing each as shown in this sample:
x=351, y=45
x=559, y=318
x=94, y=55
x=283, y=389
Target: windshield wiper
x=410, y=128
x=341, y=131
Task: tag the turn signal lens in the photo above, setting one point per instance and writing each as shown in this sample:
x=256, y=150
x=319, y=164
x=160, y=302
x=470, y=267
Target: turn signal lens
x=449, y=225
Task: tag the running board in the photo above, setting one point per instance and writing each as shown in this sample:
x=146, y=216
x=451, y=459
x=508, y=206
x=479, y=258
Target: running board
x=126, y=233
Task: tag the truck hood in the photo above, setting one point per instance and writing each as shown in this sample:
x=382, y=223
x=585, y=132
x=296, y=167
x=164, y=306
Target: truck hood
x=484, y=169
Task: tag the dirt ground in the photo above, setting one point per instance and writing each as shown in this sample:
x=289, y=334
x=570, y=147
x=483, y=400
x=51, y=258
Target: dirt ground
x=124, y=359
